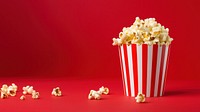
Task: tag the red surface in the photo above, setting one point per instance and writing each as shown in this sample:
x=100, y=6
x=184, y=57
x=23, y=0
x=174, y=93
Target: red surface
x=180, y=96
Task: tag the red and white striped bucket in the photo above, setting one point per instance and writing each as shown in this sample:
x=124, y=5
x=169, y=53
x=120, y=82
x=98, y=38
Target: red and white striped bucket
x=144, y=69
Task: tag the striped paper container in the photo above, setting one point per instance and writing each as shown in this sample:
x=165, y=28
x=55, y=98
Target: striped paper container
x=144, y=69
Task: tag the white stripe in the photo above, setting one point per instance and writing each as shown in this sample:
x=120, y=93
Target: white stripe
x=149, y=70
x=120, y=57
x=164, y=69
x=139, y=60
x=130, y=63
x=124, y=66
x=157, y=69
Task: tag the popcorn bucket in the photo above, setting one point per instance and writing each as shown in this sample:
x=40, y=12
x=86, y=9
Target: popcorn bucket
x=144, y=69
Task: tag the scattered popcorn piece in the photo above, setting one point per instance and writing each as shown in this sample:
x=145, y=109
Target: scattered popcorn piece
x=25, y=89
x=24, y=92
x=97, y=96
x=94, y=95
x=90, y=96
x=3, y=95
x=56, y=92
x=22, y=97
x=103, y=90
x=28, y=90
x=147, y=31
x=4, y=88
x=35, y=95
x=14, y=87
x=8, y=90
x=140, y=98
x=11, y=91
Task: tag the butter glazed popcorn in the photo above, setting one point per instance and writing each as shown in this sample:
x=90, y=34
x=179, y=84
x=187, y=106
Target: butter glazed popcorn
x=56, y=92
x=28, y=89
x=103, y=90
x=35, y=94
x=94, y=95
x=147, y=31
x=97, y=94
x=22, y=97
x=8, y=90
x=140, y=98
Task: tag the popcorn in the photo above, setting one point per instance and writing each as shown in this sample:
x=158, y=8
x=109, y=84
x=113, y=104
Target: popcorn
x=11, y=91
x=14, y=87
x=8, y=90
x=31, y=91
x=103, y=90
x=90, y=96
x=25, y=89
x=94, y=95
x=140, y=98
x=4, y=88
x=117, y=41
x=35, y=95
x=97, y=94
x=3, y=95
x=22, y=97
x=146, y=31
x=56, y=92
x=28, y=90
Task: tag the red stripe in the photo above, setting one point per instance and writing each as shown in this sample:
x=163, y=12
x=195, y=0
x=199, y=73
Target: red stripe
x=122, y=70
x=161, y=69
x=169, y=47
x=144, y=68
x=127, y=70
x=135, y=68
x=154, y=62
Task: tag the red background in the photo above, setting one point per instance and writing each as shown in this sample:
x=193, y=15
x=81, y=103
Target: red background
x=73, y=38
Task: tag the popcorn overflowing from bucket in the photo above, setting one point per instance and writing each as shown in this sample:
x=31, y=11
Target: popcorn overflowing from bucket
x=147, y=31
x=144, y=53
